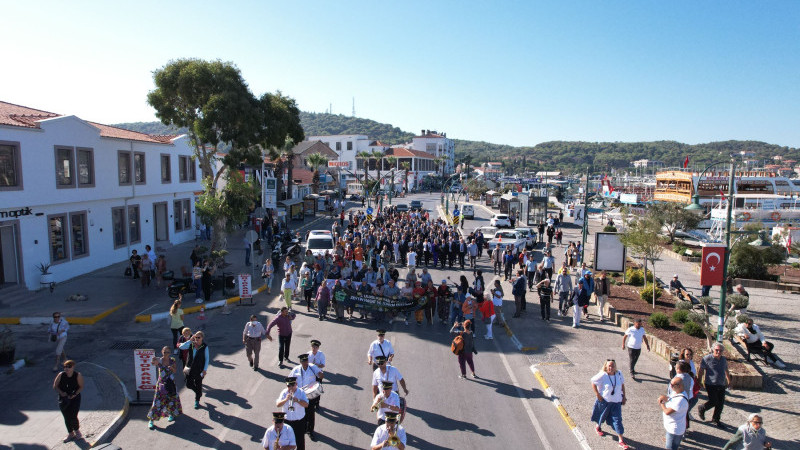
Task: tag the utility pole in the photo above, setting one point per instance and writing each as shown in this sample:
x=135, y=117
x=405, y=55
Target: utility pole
x=585, y=214
x=724, y=288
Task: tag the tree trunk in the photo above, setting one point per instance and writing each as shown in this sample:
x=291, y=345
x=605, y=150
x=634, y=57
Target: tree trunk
x=289, y=182
x=654, y=284
x=278, y=173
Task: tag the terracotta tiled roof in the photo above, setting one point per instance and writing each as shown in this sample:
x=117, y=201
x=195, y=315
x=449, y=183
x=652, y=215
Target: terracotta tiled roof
x=22, y=116
x=429, y=136
x=378, y=144
x=303, y=176
x=408, y=153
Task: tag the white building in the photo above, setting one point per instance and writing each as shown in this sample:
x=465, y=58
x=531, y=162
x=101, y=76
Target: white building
x=81, y=195
x=437, y=145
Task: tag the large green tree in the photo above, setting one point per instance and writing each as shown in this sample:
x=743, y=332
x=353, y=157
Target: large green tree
x=673, y=217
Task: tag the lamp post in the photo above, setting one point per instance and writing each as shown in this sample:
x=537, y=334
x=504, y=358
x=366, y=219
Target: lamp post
x=695, y=205
x=585, y=215
x=724, y=287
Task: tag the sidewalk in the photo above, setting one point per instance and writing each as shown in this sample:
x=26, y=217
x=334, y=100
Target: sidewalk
x=30, y=417
x=568, y=358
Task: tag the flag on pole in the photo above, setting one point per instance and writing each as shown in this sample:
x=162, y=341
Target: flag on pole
x=686, y=162
x=789, y=242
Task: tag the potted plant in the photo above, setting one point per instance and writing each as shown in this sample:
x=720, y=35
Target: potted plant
x=46, y=275
x=8, y=346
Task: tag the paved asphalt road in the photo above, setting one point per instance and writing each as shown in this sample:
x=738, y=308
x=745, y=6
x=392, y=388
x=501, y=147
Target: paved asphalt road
x=502, y=408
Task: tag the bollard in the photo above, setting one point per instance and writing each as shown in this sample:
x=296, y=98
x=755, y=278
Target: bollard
x=202, y=315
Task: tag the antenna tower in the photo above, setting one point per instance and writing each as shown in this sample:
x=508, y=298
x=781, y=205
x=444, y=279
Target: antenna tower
x=354, y=106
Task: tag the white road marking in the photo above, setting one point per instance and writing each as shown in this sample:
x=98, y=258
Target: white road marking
x=148, y=309
x=239, y=409
x=536, y=425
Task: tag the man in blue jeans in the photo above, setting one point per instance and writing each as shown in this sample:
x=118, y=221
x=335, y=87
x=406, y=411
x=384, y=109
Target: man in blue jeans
x=674, y=409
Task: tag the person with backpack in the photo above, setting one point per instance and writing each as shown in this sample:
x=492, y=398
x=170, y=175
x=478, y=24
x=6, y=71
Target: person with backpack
x=463, y=346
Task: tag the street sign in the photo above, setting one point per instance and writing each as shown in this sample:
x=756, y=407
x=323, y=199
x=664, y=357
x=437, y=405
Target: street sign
x=270, y=193
x=456, y=213
x=369, y=217
x=455, y=220
x=144, y=370
x=251, y=236
x=369, y=211
x=245, y=285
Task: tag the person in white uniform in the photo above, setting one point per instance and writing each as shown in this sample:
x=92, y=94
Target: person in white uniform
x=293, y=402
x=386, y=401
x=386, y=372
x=279, y=433
x=380, y=347
x=315, y=356
x=307, y=375
x=389, y=436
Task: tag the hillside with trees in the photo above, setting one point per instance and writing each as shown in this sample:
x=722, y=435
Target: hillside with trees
x=562, y=155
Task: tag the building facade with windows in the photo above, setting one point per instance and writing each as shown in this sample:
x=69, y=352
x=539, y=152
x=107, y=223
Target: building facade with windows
x=438, y=145
x=81, y=195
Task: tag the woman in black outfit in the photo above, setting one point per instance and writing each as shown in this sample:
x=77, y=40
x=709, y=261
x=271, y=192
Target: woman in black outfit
x=69, y=385
x=206, y=283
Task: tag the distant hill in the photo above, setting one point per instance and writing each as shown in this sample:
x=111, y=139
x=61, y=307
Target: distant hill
x=567, y=156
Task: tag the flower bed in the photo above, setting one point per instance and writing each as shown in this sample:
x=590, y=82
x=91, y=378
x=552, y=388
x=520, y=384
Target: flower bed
x=628, y=305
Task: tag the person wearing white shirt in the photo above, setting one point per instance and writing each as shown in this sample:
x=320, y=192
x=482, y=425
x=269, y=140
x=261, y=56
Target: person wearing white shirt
x=293, y=402
x=385, y=372
x=411, y=256
x=251, y=338
x=279, y=433
x=530, y=267
x=632, y=340
x=609, y=388
x=753, y=338
x=287, y=287
x=307, y=375
x=380, y=347
x=386, y=401
x=674, y=409
x=315, y=356
x=382, y=435
x=58, y=334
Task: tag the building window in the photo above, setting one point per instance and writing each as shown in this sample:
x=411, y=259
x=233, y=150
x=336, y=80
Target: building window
x=134, y=227
x=56, y=227
x=191, y=169
x=139, y=168
x=65, y=170
x=338, y=146
x=186, y=169
x=78, y=234
x=118, y=226
x=187, y=215
x=10, y=167
x=85, y=167
x=166, y=170
x=124, y=167
x=349, y=145
x=177, y=211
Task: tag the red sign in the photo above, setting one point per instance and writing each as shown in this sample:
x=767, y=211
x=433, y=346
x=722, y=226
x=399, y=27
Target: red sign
x=711, y=266
x=144, y=370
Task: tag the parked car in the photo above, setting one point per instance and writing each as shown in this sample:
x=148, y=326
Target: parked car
x=500, y=221
x=319, y=241
x=401, y=207
x=416, y=205
x=529, y=234
x=488, y=232
x=468, y=212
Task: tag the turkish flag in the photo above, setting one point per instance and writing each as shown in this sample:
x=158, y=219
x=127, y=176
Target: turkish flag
x=686, y=162
x=711, y=266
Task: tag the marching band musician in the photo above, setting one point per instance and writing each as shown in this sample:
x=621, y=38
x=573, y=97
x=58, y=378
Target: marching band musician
x=389, y=435
x=385, y=372
x=306, y=375
x=380, y=347
x=315, y=356
x=280, y=436
x=386, y=401
x=293, y=402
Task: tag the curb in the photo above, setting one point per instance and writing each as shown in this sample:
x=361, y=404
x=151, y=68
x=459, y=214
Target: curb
x=143, y=318
x=561, y=410
x=121, y=416
x=72, y=320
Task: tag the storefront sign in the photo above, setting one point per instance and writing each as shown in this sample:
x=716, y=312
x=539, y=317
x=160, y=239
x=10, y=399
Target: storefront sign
x=270, y=194
x=144, y=369
x=14, y=213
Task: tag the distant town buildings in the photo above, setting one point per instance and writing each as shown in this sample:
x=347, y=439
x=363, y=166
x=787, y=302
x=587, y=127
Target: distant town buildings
x=79, y=195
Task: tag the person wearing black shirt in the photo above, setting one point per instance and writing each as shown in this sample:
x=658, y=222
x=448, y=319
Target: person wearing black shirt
x=545, y=297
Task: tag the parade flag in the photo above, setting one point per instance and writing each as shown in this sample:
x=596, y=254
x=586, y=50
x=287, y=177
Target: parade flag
x=686, y=162
x=789, y=242
x=711, y=266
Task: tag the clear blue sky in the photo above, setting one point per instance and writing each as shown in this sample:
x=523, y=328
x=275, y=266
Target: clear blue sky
x=514, y=72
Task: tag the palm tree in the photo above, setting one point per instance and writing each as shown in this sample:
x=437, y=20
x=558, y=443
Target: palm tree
x=315, y=160
x=392, y=161
x=406, y=167
x=438, y=162
x=364, y=156
x=282, y=159
x=379, y=164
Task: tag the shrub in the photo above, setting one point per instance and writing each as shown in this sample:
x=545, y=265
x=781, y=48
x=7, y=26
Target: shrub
x=696, y=317
x=682, y=305
x=647, y=293
x=658, y=320
x=679, y=248
x=634, y=277
x=742, y=318
x=796, y=265
x=612, y=281
x=693, y=329
x=615, y=274
x=680, y=316
x=738, y=301
x=610, y=229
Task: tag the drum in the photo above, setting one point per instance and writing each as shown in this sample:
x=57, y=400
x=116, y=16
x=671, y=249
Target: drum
x=313, y=391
